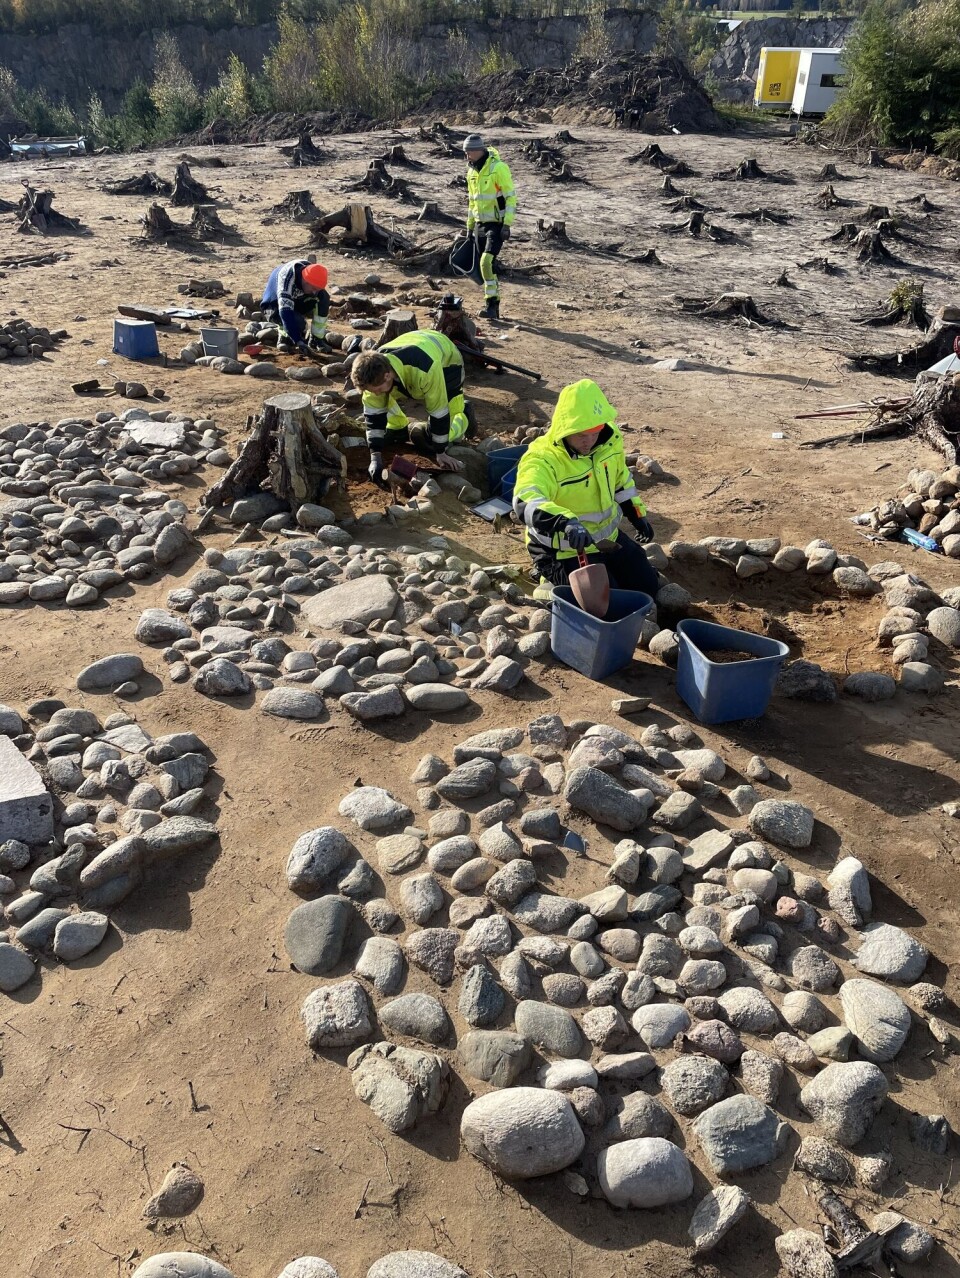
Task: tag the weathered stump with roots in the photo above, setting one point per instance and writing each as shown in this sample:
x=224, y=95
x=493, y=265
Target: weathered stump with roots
x=298, y=206
x=940, y=341
x=431, y=212
x=933, y=415
x=186, y=190
x=869, y=247
x=687, y=204
x=285, y=453
x=157, y=224
x=846, y=234
x=875, y=160
x=36, y=213
x=148, y=183
x=552, y=230
x=773, y=217
x=360, y=227
x=647, y=258
x=829, y=173
x=739, y=307
x=828, y=198
x=206, y=225
x=306, y=154
x=397, y=155
x=378, y=180
x=749, y=170
x=668, y=189
x=904, y=306
x=821, y=264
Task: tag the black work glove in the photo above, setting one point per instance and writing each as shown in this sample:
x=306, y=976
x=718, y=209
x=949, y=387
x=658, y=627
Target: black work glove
x=504, y=232
x=577, y=535
x=303, y=348
x=644, y=529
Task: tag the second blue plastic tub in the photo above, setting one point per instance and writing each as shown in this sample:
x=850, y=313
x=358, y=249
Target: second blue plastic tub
x=597, y=646
x=499, y=463
x=719, y=692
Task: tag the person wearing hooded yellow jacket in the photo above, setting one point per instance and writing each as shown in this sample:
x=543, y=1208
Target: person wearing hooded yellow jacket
x=573, y=487
x=491, y=208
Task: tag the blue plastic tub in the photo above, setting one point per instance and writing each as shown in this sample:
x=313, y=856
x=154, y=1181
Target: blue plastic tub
x=507, y=484
x=135, y=339
x=499, y=463
x=596, y=646
x=717, y=692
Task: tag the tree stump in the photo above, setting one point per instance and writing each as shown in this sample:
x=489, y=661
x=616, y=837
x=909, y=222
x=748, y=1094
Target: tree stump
x=821, y=264
x=157, y=224
x=305, y=154
x=847, y=233
x=206, y=225
x=302, y=462
x=37, y=214
x=565, y=138
x=728, y=306
x=828, y=198
x=431, y=212
x=746, y=171
x=395, y=324
x=869, y=247
x=185, y=189
x=933, y=414
x=922, y=204
x=298, y=206
x=397, y=155
x=148, y=183
x=764, y=216
x=647, y=258
x=939, y=342
x=378, y=180
x=243, y=476
x=547, y=230
x=829, y=173
x=668, y=189
x=904, y=306
x=875, y=160
x=686, y=203
x=783, y=280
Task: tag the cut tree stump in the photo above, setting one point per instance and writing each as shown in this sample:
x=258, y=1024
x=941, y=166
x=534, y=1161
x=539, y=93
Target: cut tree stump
x=552, y=230
x=431, y=212
x=565, y=138
x=397, y=155
x=870, y=212
x=875, y=160
x=728, y=306
x=869, y=247
x=285, y=453
x=940, y=341
x=298, y=206
x=206, y=225
x=903, y=306
x=395, y=324
x=933, y=415
x=749, y=170
x=378, y=180
x=668, y=188
x=157, y=224
x=148, y=183
x=186, y=190
x=821, y=264
x=305, y=154
x=647, y=258
x=846, y=234
x=922, y=204
x=773, y=217
x=783, y=280
x=37, y=215
x=829, y=173
x=828, y=198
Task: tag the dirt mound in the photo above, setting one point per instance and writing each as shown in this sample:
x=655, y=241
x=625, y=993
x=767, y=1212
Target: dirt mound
x=918, y=162
x=648, y=93
x=276, y=126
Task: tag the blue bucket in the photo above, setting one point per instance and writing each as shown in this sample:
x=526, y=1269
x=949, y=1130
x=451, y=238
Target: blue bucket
x=720, y=692
x=499, y=464
x=597, y=646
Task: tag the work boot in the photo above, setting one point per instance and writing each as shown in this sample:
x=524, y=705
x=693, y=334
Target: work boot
x=491, y=310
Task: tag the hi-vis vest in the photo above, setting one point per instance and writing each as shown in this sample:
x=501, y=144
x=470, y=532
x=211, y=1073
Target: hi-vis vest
x=490, y=193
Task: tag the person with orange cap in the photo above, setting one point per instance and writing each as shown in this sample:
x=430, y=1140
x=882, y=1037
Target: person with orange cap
x=297, y=301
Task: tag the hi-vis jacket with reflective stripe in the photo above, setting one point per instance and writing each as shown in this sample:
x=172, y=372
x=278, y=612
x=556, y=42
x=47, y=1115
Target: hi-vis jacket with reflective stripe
x=555, y=485
x=490, y=193
x=428, y=367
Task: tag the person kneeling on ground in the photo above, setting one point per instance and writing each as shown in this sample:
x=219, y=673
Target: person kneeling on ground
x=422, y=365
x=572, y=488
x=296, y=299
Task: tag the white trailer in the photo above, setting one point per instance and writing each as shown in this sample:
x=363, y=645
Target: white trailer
x=819, y=78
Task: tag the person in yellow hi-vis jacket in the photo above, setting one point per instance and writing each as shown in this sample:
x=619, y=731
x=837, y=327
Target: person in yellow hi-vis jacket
x=423, y=365
x=491, y=208
x=573, y=486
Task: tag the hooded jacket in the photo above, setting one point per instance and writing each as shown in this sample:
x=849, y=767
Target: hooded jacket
x=555, y=484
x=490, y=193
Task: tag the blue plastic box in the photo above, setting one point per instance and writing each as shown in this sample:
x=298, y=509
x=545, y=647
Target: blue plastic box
x=719, y=692
x=499, y=465
x=135, y=339
x=597, y=646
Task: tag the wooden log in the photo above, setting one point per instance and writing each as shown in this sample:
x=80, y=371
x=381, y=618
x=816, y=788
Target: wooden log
x=396, y=323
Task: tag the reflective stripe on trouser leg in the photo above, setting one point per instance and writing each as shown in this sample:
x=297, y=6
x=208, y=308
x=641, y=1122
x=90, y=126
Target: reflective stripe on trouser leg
x=491, y=285
x=458, y=418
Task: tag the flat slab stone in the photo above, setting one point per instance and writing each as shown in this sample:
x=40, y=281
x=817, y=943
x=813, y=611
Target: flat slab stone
x=26, y=808
x=363, y=600
x=153, y=434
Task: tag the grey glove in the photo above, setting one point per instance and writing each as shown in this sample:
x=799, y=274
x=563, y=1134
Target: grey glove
x=375, y=469
x=505, y=232
x=577, y=535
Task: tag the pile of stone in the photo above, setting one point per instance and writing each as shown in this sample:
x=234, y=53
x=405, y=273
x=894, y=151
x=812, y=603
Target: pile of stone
x=915, y=612
x=411, y=629
x=397, y=1264
x=927, y=502
x=83, y=507
x=19, y=339
x=708, y=978
x=86, y=809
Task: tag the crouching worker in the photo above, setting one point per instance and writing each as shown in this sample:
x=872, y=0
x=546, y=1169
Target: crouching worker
x=422, y=365
x=296, y=299
x=572, y=488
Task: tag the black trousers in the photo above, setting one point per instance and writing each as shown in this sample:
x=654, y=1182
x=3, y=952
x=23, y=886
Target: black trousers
x=489, y=237
x=627, y=567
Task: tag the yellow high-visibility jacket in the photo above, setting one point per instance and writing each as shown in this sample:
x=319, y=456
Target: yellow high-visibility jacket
x=555, y=485
x=427, y=367
x=490, y=193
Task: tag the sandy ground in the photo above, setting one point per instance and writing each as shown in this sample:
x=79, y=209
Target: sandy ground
x=195, y=988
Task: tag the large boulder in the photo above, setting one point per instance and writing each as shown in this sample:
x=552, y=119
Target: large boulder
x=876, y=1017
x=365, y=599
x=592, y=791
x=401, y=1085
x=738, y=1134
x=522, y=1132
x=844, y=1099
